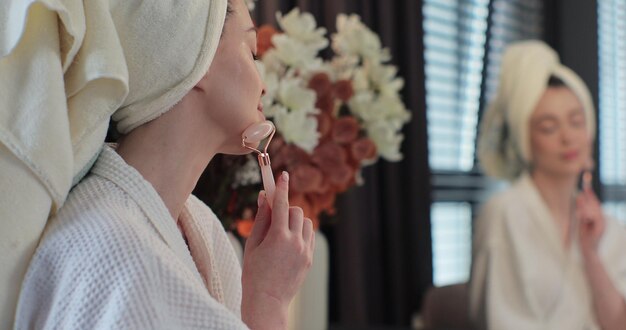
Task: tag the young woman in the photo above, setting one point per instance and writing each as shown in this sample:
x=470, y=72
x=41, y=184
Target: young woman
x=545, y=256
x=131, y=248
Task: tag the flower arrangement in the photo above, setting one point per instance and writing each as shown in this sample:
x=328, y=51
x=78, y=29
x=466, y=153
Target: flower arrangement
x=332, y=116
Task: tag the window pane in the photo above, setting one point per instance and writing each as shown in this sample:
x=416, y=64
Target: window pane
x=454, y=40
x=612, y=112
x=617, y=210
x=451, y=231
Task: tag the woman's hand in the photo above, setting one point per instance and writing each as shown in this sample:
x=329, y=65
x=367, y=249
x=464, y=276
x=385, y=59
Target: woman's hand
x=591, y=222
x=277, y=257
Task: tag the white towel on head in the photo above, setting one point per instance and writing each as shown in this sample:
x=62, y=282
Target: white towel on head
x=127, y=58
x=67, y=66
x=504, y=142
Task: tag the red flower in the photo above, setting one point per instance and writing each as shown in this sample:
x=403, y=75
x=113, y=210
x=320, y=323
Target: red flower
x=328, y=156
x=324, y=124
x=363, y=148
x=320, y=83
x=306, y=178
x=342, y=177
x=288, y=157
x=343, y=90
x=326, y=103
x=264, y=39
x=345, y=129
x=325, y=201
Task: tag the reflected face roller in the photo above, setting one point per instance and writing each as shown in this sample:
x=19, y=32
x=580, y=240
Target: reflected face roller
x=253, y=135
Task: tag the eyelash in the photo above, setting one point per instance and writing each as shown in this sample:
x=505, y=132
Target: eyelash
x=255, y=57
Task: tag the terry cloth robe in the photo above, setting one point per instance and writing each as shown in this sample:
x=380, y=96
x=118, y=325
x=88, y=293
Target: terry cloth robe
x=523, y=277
x=113, y=258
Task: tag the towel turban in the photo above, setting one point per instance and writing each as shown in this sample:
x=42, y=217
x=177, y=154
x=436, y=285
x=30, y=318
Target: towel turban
x=67, y=66
x=504, y=141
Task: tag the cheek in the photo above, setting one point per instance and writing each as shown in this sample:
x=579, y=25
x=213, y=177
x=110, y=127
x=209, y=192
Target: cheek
x=541, y=144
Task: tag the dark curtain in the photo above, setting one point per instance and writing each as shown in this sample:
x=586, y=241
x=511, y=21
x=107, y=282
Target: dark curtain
x=381, y=259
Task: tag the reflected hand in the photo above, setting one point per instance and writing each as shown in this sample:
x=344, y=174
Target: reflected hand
x=591, y=222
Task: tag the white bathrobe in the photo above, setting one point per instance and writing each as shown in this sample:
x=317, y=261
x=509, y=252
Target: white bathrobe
x=114, y=258
x=523, y=277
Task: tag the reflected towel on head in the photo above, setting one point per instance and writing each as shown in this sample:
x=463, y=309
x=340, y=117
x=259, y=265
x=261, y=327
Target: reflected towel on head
x=504, y=141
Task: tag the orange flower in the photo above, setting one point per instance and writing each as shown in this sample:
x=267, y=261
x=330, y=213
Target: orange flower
x=363, y=148
x=343, y=89
x=264, y=39
x=244, y=227
x=345, y=129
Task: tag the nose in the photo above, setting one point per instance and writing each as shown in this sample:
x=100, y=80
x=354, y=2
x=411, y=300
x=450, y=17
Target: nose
x=264, y=88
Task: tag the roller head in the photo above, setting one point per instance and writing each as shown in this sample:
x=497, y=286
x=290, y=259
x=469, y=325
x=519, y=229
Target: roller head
x=255, y=133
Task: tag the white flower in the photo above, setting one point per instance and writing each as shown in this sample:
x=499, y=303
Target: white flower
x=298, y=128
x=361, y=105
x=344, y=67
x=271, y=85
x=386, y=139
x=293, y=52
x=354, y=38
x=360, y=80
x=274, y=110
x=293, y=95
x=383, y=77
x=248, y=174
x=303, y=28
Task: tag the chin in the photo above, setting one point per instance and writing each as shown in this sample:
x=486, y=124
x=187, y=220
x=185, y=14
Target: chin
x=237, y=151
x=567, y=170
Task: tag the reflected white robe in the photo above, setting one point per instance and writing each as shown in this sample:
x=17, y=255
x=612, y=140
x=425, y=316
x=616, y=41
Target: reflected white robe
x=114, y=258
x=523, y=277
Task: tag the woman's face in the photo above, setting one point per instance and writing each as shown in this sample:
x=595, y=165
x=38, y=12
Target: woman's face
x=232, y=86
x=560, y=141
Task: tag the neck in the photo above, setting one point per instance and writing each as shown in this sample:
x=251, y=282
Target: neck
x=169, y=155
x=558, y=193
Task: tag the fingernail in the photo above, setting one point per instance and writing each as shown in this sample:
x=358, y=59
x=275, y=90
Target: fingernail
x=285, y=176
x=261, y=200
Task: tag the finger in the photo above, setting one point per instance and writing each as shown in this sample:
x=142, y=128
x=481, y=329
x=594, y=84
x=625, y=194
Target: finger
x=312, y=242
x=280, y=211
x=295, y=219
x=307, y=230
x=262, y=221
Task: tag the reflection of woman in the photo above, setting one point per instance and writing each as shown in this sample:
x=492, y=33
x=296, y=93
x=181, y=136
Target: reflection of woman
x=130, y=248
x=543, y=258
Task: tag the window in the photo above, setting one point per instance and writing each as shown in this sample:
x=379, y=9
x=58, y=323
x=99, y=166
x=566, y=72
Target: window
x=463, y=40
x=612, y=109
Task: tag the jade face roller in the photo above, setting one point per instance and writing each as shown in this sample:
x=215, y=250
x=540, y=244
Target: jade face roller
x=253, y=135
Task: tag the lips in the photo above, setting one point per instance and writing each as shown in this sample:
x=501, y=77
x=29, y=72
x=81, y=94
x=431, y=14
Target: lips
x=570, y=155
x=260, y=107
